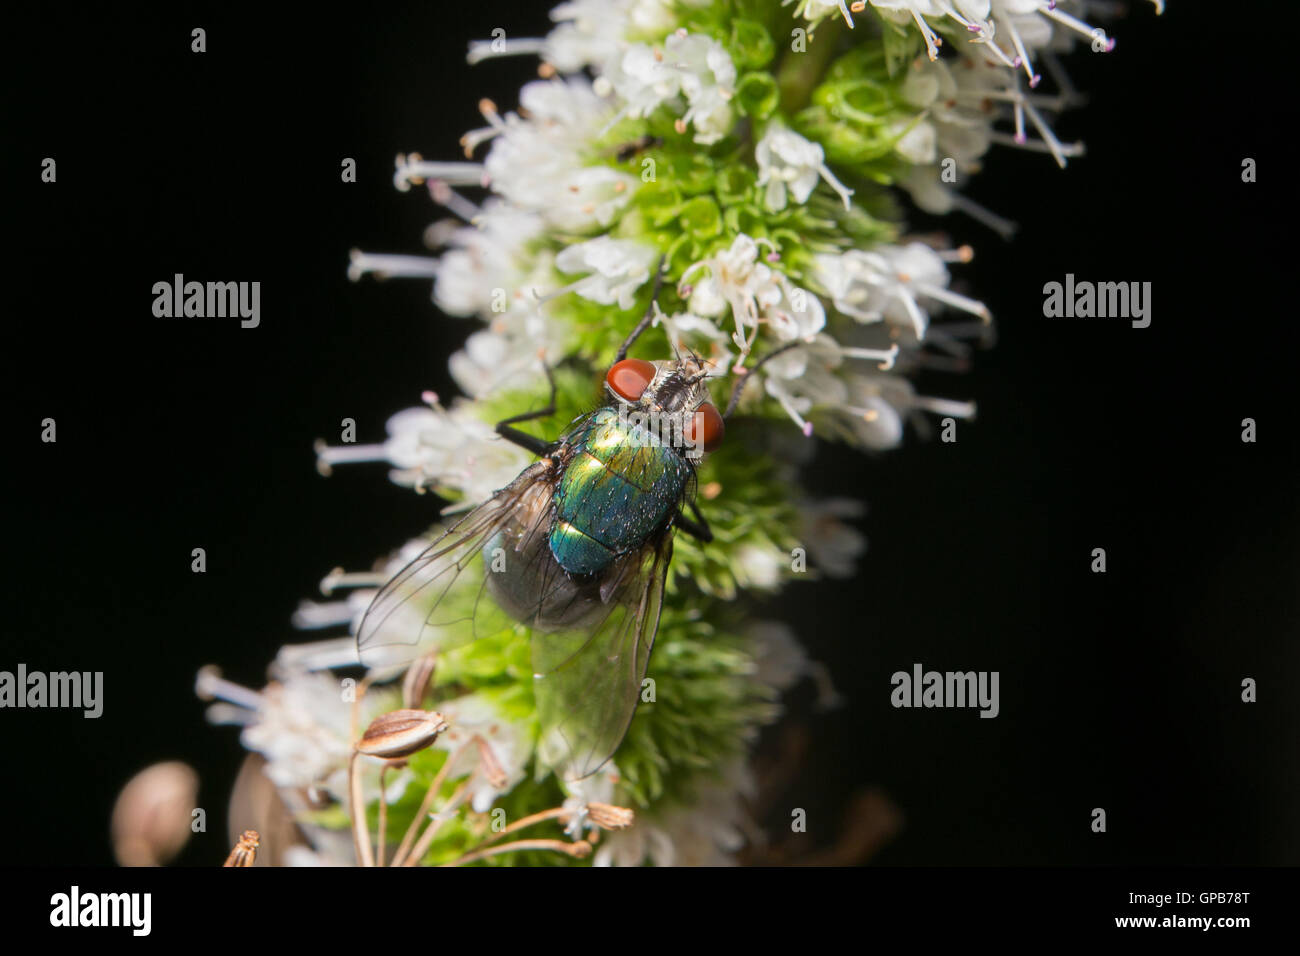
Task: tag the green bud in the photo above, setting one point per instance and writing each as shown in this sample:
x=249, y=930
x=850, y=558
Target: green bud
x=751, y=45
x=701, y=218
x=692, y=172
x=659, y=203
x=735, y=184
x=747, y=219
x=757, y=95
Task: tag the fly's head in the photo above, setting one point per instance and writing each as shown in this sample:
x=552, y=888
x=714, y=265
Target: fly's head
x=669, y=401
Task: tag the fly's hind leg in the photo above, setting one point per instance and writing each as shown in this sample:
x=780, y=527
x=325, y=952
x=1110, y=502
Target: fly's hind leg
x=697, y=528
x=538, y=446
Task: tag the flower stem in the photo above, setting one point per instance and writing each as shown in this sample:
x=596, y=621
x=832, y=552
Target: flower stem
x=399, y=858
x=578, y=850
x=557, y=813
x=383, y=815
x=426, y=838
x=360, y=831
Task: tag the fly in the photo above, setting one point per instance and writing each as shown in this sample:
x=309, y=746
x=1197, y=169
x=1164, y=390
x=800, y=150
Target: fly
x=578, y=548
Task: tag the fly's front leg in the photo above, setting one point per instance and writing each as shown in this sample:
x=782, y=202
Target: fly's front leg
x=538, y=446
x=699, y=528
x=649, y=312
x=742, y=378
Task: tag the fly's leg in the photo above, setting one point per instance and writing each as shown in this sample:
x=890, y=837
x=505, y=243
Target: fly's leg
x=538, y=446
x=743, y=377
x=698, y=528
x=649, y=313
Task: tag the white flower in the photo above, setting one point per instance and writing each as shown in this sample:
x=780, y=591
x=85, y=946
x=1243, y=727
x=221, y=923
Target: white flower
x=303, y=729
x=1028, y=24
x=833, y=545
x=642, y=78
x=485, y=264
x=787, y=161
x=806, y=376
x=477, y=722
x=780, y=659
x=982, y=92
x=652, y=18
x=589, y=32
x=810, y=376
x=617, y=267
x=484, y=258
x=596, y=788
x=797, y=314
x=519, y=338
x=916, y=141
x=301, y=724
x=816, y=10
x=631, y=847
x=562, y=106
x=537, y=163
x=734, y=277
x=1031, y=25
x=877, y=403
x=708, y=79
x=692, y=66
x=508, y=354
x=760, y=568
x=957, y=110
x=886, y=284
x=707, y=833
x=433, y=447
x=452, y=449
x=916, y=11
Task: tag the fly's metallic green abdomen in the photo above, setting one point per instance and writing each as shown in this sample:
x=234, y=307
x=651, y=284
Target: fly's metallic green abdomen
x=618, y=488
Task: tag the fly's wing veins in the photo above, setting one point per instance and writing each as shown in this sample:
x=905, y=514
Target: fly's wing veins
x=587, y=682
x=411, y=610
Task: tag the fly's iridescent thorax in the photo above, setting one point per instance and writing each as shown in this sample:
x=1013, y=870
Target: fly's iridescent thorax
x=621, y=485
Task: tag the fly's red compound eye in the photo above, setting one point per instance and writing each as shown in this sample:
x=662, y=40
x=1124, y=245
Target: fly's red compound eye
x=705, y=428
x=630, y=378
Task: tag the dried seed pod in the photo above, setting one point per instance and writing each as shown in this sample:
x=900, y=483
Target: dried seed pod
x=417, y=679
x=609, y=817
x=492, y=769
x=245, y=851
x=401, y=733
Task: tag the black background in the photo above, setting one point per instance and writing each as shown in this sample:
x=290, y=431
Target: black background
x=1119, y=690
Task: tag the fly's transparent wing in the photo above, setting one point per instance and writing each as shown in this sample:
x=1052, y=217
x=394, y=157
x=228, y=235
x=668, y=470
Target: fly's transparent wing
x=588, y=679
x=428, y=603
